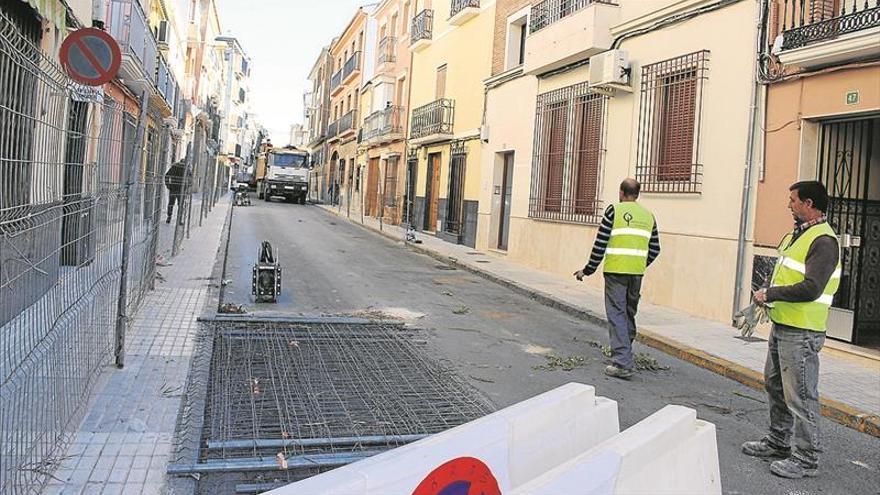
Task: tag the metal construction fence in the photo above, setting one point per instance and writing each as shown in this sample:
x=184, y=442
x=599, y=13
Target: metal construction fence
x=81, y=202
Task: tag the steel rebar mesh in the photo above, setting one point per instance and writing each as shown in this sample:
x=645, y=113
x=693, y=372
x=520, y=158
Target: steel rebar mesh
x=327, y=381
x=64, y=156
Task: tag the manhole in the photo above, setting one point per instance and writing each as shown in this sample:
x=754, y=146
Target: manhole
x=282, y=401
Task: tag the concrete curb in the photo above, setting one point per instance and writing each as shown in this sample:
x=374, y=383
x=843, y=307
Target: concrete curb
x=831, y=409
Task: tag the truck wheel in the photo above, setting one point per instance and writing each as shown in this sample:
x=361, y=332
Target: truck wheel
x=302, y=200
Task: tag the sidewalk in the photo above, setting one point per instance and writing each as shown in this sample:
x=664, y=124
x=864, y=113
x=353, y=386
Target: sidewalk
x=124, y=443
x=849, y=383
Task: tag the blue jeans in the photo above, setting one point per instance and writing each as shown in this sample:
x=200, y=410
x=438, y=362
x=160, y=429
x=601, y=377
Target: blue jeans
x=791, y=378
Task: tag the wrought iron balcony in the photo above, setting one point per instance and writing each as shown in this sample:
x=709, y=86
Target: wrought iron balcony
x=352, y=65
x=811, y=21
x=458, y=5
x=333, y=130
x=167, y=85
x=550, y=11
x=384, y=123
x=387, y=50
x=436, y=117
x=346, y=122
x=335, y=80
x=422, y=27
x=127, y=23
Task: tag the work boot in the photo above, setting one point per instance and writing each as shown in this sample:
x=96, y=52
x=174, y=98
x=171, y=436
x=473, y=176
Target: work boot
x=763, y=448
x=793, y=468
x=616, y=372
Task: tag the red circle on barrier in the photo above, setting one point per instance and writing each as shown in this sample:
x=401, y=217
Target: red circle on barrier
x=461, y=476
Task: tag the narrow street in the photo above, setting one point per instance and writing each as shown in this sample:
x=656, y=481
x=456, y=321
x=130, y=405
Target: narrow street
x=496, y=339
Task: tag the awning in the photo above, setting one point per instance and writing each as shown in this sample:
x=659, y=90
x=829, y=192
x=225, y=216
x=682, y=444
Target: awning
x=51, y=10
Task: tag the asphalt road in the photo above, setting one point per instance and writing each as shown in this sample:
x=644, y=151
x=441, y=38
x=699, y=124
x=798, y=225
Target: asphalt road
x=496, y=338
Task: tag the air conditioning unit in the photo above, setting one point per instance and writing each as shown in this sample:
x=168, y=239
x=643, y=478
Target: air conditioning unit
x=162, y=33
x=610, y=71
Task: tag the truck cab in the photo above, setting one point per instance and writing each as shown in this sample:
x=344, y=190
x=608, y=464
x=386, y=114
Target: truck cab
x=286, y=174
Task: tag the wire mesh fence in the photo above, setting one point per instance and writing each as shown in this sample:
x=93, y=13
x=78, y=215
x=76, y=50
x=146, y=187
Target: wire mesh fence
x=278, y=402
x=69, y=193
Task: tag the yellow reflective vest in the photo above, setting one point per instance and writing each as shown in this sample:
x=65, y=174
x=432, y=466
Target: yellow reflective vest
x=627, y=251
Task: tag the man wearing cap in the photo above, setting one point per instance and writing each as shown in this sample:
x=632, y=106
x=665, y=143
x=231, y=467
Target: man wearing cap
x=628, y=242
x=799, y=296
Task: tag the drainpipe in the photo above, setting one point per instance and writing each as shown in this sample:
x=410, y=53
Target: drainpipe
x=749, y=166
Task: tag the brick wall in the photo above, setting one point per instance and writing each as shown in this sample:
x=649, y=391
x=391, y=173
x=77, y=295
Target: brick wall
x=503, y=9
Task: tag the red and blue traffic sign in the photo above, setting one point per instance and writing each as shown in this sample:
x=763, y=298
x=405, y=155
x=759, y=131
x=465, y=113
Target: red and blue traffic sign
x=460, y=476
x=90, y=56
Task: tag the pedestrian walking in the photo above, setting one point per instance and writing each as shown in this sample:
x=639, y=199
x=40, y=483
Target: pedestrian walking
x=799, y=296
x=628, y=242
x=174, y=181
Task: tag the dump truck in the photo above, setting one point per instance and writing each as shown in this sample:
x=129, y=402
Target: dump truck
x=283, y=172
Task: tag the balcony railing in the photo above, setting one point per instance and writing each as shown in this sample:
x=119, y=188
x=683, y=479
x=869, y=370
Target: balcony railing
x=436, y=117
x=352, y=64
x=388, y=50
x=550, y=11
x=333, y=129
x=167, y=85
x=382, y=123
x=459, y=5
x=422, y=26
x=811, y=21
x=336, y=80
x=346, y=123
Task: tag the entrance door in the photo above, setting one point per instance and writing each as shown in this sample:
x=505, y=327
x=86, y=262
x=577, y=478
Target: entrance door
x=504, y=213
x=432, y=190
x=412, y=167
x=849, y=166
x=373, y=188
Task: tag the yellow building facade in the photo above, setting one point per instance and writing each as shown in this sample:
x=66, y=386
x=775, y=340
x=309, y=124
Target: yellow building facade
x=671, y=107
x=451, y=45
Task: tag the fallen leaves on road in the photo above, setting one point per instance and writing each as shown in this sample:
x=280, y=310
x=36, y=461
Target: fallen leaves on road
x=229, y=308
x=561, y=363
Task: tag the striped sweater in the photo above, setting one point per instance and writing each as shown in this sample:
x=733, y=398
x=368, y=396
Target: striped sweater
x=604, y=235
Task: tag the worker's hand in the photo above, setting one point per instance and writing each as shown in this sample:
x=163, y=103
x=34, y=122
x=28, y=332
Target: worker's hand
x=761, y=297
x=579, y=275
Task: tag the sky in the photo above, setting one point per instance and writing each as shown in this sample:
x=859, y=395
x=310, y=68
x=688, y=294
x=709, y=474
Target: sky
x=283, y=39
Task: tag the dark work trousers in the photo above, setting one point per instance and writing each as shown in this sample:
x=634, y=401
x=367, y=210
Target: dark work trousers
x=622, y=294
x=173, y=197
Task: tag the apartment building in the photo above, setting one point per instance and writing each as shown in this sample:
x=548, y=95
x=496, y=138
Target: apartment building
x=451, y=45
x=657, y=90
x=235, y=104
x=349, y=60
x=823, y=123
x=317, y=116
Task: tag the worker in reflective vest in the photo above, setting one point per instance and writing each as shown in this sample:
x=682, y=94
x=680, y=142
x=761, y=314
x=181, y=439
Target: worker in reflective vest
x=799, y=296
x=628, y=242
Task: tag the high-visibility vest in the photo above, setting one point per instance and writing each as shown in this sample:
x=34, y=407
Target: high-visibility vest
x=791, y=269
x=627, y=251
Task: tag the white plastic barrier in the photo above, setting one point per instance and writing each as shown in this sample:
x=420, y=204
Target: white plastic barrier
x=516, y=444
x=669, y=452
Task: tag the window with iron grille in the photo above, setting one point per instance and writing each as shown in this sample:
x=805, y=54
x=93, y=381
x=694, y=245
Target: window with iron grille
x=669, y=124
x=390, y=189
x=455, y=196
x=568, y=159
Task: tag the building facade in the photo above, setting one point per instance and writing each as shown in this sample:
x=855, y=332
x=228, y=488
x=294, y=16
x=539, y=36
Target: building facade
x=347, y=53
x=823, y=123
x=235, y=105
x=385, y=109
x=451, y=45
x=317, y=116
x=659, y=112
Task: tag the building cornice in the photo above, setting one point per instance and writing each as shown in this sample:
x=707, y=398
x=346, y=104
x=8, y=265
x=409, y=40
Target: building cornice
x=650, y=18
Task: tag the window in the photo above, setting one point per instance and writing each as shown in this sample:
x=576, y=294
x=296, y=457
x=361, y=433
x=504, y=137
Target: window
x=567, y=165
x=517, y=29
x=440, y=91
x=669, y=124
x=405, y=26
x=241, y=95
x=389, y=191
x=455, y=195
x=393, y=29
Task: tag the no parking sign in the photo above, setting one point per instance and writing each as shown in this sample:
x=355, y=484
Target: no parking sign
x=460, y=476
x=90, y=56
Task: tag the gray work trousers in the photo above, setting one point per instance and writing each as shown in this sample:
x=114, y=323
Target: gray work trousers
x=791, y=378
x=622, y=294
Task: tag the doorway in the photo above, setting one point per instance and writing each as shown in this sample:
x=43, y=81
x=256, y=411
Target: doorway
x=432, y=189
x=849, y=166
x=373, y=188
x=412, y=167
x=504, y=203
